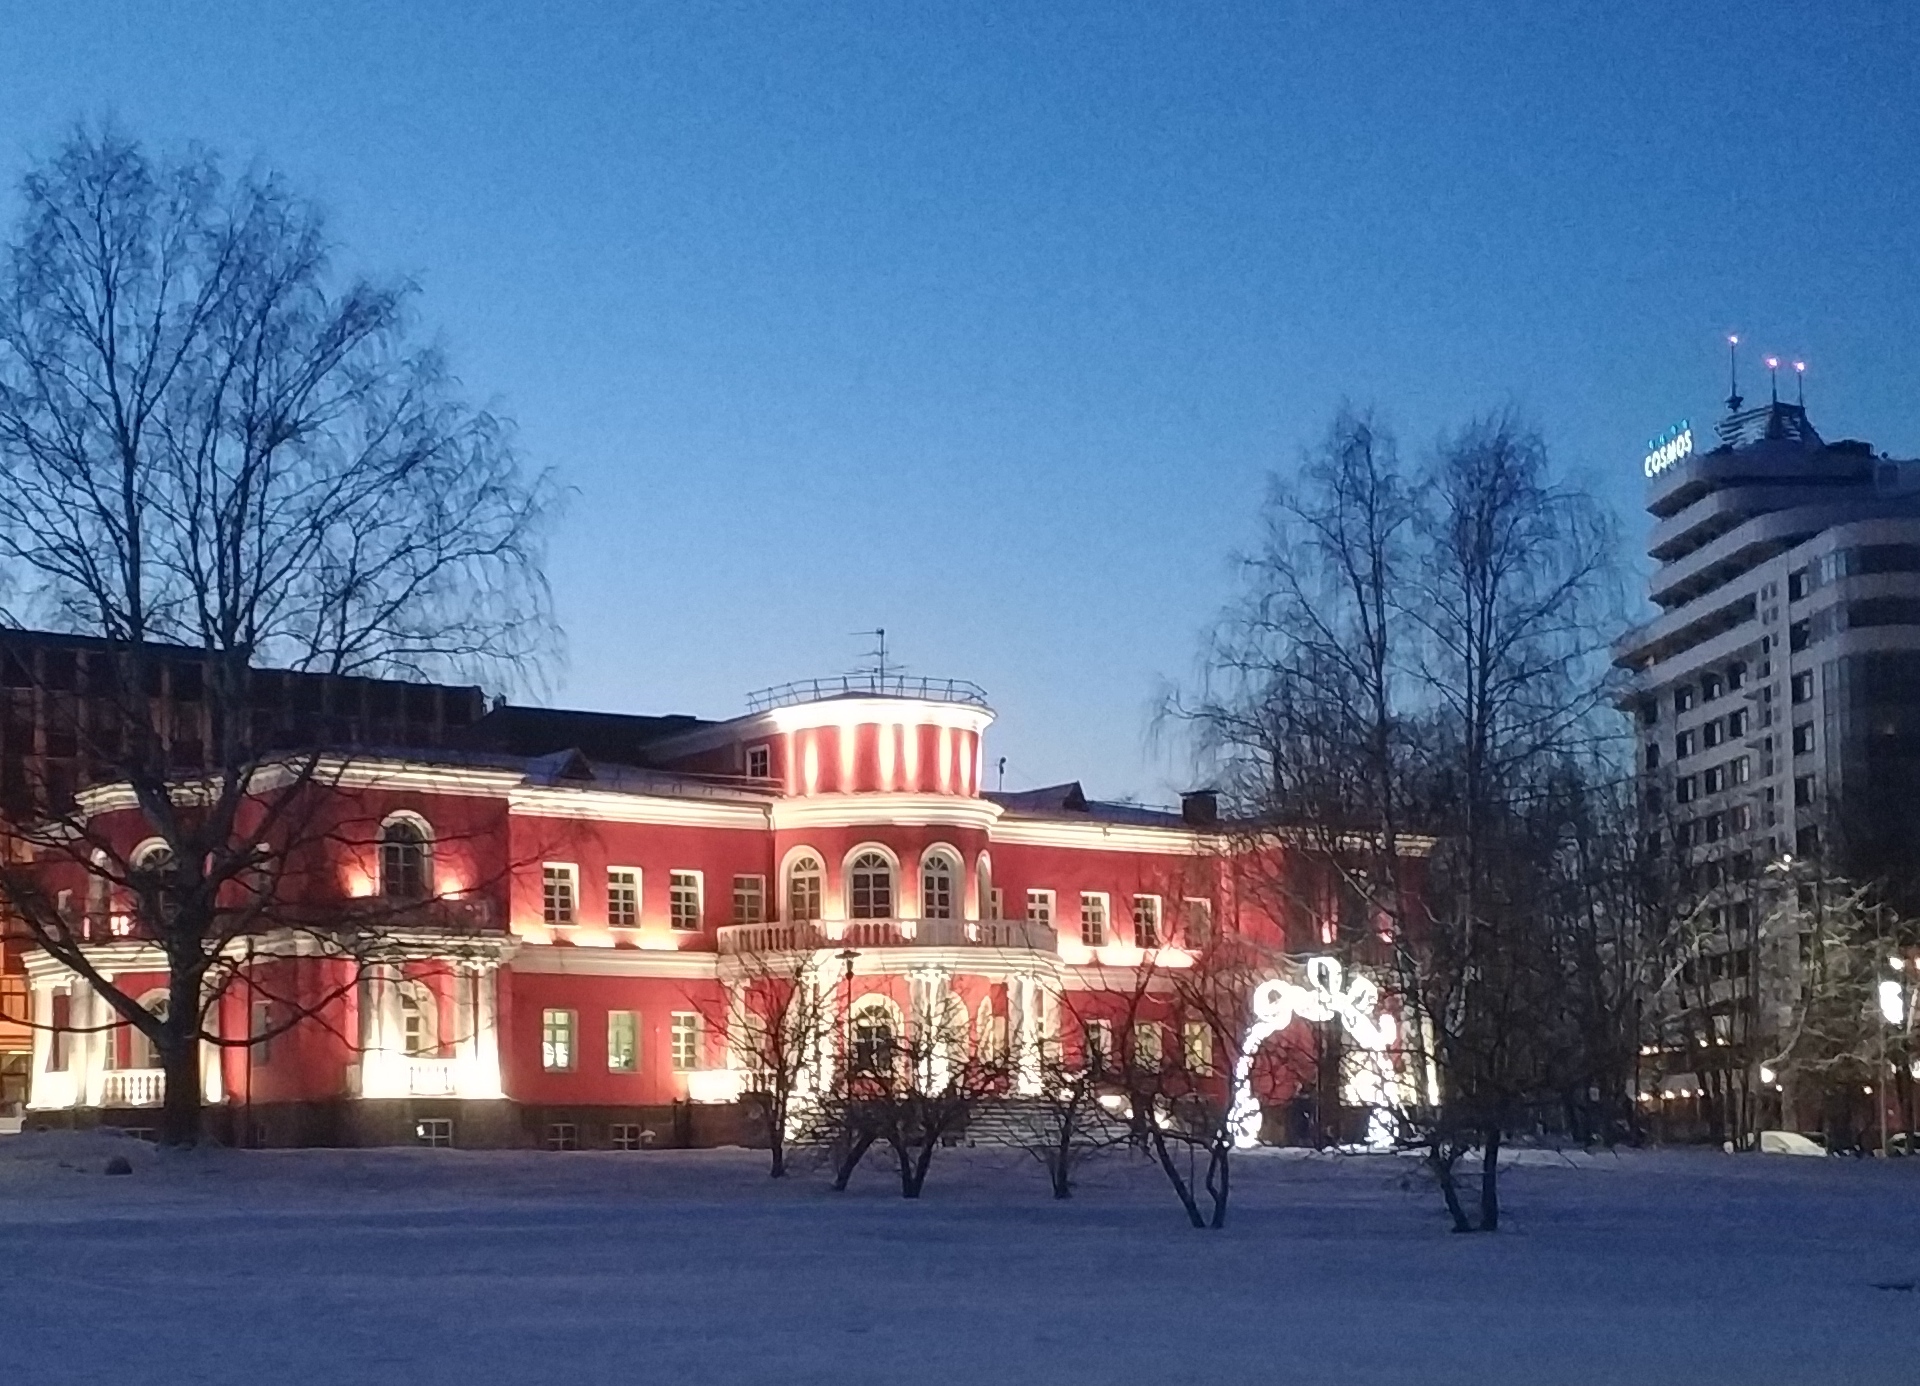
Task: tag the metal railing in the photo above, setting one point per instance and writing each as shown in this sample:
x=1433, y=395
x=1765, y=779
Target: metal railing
x=869, y=684
x=806, y=936
x=431, y=1078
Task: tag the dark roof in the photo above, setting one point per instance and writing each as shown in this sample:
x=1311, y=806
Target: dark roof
x=1070, y=801
x=617, y=737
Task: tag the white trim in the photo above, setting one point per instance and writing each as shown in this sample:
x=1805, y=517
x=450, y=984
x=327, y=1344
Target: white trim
x=1105, y=837
x=639, y=897
x=700, y=920
x=660, y=810
x=564, y=960
x=864, y=712
x=880, y=808
x=846, y=878
x=957, y=880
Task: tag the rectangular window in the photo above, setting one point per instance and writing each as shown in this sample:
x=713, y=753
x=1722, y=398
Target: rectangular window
x=436, y=1132
x=1736, y=676
x=623, y=897
x=1198, y=922
x=625, y=1135
x=563, y=1135
x=759, y=762
x=1712, y=733
x=60, y=1041
x=1040, y=907
x=1709, y=688
x=623, y=1042
x=556, y=1040
x=1742, y=817
x=1803, y=738
x=1683, y=745
x=1799, y=636
x=749, y=899
x=1797, y=584
x=1196, y=1047
x=686, y=1041
x=1649, y=713
x=1736, y=723
x=260, y=1035
x=1683, y=790
x=1147, y=1052
x=1713, y=780
x=1096, y=1038
x=683, y=901
x=1146, y=921
x=1802, y=686
x=996, y=903
x=1683, y=698
x=1802, y=790
x=559, y=896
x=1742, y=769
x=1093, y=919
x=1653, y=755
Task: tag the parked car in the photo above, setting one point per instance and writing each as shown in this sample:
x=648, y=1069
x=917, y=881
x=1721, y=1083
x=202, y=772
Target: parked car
x=1790, y=1143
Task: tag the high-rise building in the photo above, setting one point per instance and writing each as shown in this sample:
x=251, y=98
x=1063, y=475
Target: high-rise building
x=1777, y=701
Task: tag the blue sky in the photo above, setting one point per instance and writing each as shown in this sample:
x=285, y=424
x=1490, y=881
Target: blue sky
x=986, y=323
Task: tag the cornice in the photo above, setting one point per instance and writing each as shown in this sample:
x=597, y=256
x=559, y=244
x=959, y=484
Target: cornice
x=882, y=809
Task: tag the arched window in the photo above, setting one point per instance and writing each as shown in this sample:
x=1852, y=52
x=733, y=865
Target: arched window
x=145, y=1053
x=937, y=875
x=803, y=889
x=419, y=1019
x=870, y=887
x=153, y=859
x=875, y=1037
x=404, y=871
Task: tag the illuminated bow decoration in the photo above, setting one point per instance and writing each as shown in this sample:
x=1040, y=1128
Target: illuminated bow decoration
x=1276, y=1003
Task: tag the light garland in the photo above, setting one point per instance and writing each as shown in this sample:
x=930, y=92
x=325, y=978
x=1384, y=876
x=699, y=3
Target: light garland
x=1356, y=1003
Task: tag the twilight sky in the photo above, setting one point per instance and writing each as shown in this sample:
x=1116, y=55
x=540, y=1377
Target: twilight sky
x=986, y=323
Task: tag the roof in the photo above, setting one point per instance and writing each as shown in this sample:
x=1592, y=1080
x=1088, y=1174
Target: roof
x=616, y=737
x=1069, y=801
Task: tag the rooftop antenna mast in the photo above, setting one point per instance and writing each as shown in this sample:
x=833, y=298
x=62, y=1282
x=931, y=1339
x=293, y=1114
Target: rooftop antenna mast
x=878, y=654
x=1733, y=373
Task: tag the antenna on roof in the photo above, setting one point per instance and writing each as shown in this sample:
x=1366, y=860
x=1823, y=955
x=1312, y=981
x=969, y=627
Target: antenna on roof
x=878, y=654
x=1800, y=380
x=1733, y=372
x=1773, y=377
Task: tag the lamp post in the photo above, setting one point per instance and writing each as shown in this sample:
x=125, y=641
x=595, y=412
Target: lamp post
x=1893, y=1011
x=847, y=958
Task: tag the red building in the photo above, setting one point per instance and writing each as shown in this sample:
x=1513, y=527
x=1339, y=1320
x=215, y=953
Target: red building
x=569, y=931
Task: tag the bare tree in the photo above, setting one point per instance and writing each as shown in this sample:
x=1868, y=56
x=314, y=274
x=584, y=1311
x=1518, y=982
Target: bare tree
x=781, y=1023
x=214, y=446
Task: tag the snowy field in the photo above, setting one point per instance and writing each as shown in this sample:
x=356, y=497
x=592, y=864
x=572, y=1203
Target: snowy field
x=424, y=1266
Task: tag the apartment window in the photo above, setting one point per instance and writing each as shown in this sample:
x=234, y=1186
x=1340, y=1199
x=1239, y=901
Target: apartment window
x=1710, y=688
x=803, y=890
x=1803, y=738
x=436, y=1132
x=1198, y=921
x=556, y=1040
x=749, y=899
x=1736, y=676
x=403, y=860
x=1712, y=734
x=1093, y=919
x=1097, y=1038
x=1683, y=745
x=759, y=762
x=1742, y=817
x=1146, y=921
x=563, y=1135
x=1802, y=791
x=870, y=886
x=936, y=887
x=1653, y=755
x=260, y=1034
x=1683, y=698
x=1802, y=686
x=1736, y=723
x=683, y=900
x=626, y=1135
x=1147, y=1052
x=996, y=903
x=623, y=1042
x=1713, y=780
x=1741, y=769
x=1683, y=789
x=1040, y=907
x=1196, y=1046
x=685, y=1033
x=1799, y=636
x=559, y=895
x=60, y=1042
x=623, y=897
x=1649, y=713
x=1797, y=584
x=1715, y=826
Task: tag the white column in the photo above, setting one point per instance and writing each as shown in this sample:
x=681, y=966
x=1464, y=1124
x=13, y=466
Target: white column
x=1027, y=1026
x=93, y=1048
x=480, y=1077
x=212, y=1086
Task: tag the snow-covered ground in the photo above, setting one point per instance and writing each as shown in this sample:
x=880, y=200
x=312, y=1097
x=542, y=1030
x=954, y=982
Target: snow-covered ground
x=424, y=1266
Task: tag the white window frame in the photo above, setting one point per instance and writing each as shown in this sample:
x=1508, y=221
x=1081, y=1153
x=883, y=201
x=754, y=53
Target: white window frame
x=675, y=877
x=1149, y=1045
x=638, y=885
x=892, y=859
x=819, y=879
x=763, y=749
x=1148, y=925
x=1196, y=1046
x=1190, y=907
x=759, y=913
x=684, y=1029
x=549, y=872
x=551, y=1061
x=956, y=882
x=1104, y=906
x=632, y=1038
x=1044, y=899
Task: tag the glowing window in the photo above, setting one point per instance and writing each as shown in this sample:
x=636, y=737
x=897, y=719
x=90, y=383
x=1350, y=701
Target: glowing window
x=683, y=901
x=623, y=1042
x=1093, y=919
x=1146, y=921
x=685, y=1036
x=556, y=1040
x=559, y=898
x=623, y=897
x=403, y=860
x=870, y=886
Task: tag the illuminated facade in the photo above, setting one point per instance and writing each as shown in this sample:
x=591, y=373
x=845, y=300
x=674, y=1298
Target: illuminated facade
x=569, y=935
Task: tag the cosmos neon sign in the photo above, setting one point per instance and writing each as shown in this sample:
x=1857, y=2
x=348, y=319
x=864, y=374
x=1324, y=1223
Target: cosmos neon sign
x=1669, y=448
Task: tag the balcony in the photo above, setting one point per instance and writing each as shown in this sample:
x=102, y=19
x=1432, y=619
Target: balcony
x=133, y=1087
x=867, y=685
x=738, y=940
x=431, y=1078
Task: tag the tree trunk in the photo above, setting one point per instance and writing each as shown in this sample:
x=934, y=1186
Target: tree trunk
x=1490, y=1181
x=180, y=1108
x=1220, y=1180
x=1185, y=1194
x=850, y=1160
x=1441, y=1162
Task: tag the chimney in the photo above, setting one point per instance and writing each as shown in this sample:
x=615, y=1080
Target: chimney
x=1200, y=807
